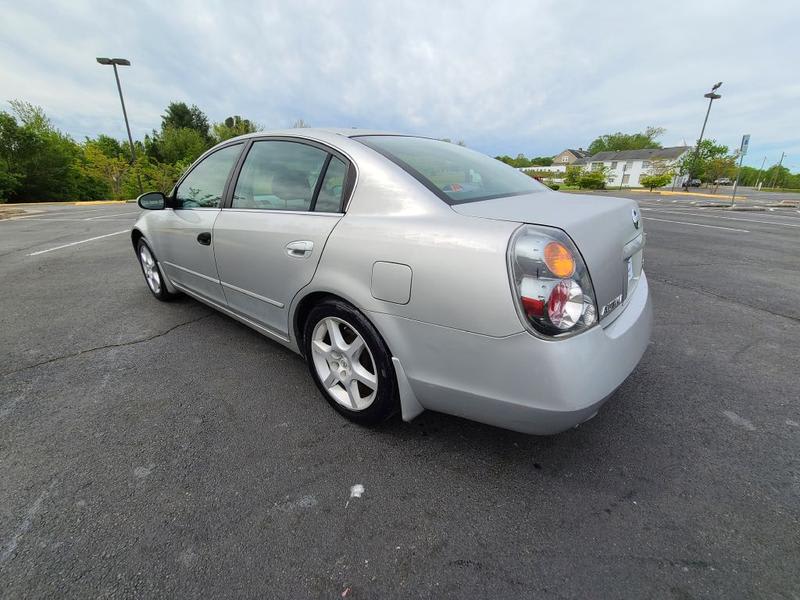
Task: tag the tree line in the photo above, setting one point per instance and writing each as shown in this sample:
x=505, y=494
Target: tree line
x=40, y=163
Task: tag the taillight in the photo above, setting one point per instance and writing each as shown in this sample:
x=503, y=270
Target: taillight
x=551, y=285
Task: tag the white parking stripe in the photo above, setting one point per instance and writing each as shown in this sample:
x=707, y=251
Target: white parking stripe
x=112, y=215
x=696, y=224
x=99, y=237
x=717, y=216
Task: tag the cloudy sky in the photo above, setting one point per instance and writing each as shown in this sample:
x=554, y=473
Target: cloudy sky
x=506, y=77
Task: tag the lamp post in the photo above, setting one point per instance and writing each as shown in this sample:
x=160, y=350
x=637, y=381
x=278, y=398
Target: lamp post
x=712, y=95
x=124, y=62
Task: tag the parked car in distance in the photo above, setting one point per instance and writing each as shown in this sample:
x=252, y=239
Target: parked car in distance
x=693, y=183
x=723, y=181
x=410, y=273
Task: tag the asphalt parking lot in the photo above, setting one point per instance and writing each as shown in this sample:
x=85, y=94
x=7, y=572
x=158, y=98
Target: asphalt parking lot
x=164, y=450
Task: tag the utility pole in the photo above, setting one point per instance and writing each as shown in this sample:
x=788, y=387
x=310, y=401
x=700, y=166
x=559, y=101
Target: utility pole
x=775, y=177
x=758, y=179
x=125, y=63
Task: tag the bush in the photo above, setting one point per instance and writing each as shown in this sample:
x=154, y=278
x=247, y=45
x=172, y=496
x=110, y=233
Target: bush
x=654, y=181
x=553, y=186
x=573, y=176
x=592, y=180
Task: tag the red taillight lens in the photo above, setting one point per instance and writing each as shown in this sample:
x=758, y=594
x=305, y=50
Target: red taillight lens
x=551, y=284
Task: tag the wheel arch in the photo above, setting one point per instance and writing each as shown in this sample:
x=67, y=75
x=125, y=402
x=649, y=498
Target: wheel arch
x=136, y=235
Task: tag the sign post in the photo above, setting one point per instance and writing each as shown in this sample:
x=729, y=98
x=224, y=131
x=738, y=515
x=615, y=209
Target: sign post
x=742, y=152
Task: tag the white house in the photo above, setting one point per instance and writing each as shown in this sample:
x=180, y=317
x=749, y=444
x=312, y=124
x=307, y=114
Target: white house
x=625, y=167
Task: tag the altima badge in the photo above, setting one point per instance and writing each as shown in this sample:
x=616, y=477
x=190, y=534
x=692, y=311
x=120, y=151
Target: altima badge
x=611, y=305
x=635, y=217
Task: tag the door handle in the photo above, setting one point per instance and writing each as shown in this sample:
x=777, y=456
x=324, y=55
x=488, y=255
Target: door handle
x=204, y=238
x=300, y=249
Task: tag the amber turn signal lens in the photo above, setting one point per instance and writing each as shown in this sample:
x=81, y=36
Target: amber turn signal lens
x=559, y=260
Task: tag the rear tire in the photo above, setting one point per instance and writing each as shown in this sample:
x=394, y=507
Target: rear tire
x=151, y=270
x=350, y=363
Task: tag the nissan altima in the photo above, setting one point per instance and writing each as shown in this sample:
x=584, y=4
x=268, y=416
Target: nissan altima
x=410, y=273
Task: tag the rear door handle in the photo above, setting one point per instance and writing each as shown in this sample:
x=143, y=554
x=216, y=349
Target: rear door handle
x=300, y=248
x=204, y=238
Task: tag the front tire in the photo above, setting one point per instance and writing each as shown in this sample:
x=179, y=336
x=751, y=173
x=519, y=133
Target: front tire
x=350, y=363
x=152, y=272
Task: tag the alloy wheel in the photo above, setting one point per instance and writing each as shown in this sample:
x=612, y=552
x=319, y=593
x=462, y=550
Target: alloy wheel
x=150, y=269
x=344, y=363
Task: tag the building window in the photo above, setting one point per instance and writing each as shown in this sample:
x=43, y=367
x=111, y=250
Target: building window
x=565, y=158
x=596, y=166
x=646, y=164
x=613, y=165
x=625, y=179
x=629, y=165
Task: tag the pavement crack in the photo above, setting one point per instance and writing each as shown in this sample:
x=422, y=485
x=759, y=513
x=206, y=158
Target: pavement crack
x=108, y=346
x=719, y=296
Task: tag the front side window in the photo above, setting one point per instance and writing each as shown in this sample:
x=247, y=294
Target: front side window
x=279, y=175
x=204, y=185
x=454, y=173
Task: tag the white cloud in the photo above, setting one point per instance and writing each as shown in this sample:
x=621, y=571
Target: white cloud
x=507, y=77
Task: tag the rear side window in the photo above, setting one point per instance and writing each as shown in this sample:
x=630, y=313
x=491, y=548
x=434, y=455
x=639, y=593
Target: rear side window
x=332, y=189
x=279, y=175
x=454, y=173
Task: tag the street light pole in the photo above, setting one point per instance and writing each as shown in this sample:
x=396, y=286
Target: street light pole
x=778, y=170
x=712, y=95
x=123, y=62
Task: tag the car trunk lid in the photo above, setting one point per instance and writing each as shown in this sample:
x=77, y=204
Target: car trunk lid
x=606, y=230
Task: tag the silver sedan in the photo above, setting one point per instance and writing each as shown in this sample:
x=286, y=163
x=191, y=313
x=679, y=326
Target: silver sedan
x=410, y=273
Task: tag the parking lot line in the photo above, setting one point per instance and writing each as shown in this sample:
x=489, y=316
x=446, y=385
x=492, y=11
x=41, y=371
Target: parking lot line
x=716, y=216
x=112, y=215
x=91, y=239
x=697, y=225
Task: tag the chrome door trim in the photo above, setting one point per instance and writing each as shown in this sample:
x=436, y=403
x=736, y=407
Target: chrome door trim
x=252, y=294
x=195, y=273
x=276, y=211
x=257, y=326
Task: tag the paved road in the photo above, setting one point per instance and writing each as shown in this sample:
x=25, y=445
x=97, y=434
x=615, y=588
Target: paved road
x=151, y=449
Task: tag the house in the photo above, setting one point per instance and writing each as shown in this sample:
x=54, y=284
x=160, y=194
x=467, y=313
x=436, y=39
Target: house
x=625, y=167
x=569, y=156
x=560, y=163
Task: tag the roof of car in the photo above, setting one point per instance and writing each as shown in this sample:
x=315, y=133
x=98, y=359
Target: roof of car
x=316, y=131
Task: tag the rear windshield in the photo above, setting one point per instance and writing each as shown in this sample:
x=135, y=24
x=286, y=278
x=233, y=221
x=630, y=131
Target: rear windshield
x=454, y=173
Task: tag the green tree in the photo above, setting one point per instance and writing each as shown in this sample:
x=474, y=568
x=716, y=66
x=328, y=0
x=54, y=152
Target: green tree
x=573, y=175
x=40, y=161
x=655, y=180
x=180, y=116
x=695, y=164
x=627, y=141
x=180, y=145
x=108, y=171
x=155, y=176
x=111, y=147
x=11, y=142
x=232, y=127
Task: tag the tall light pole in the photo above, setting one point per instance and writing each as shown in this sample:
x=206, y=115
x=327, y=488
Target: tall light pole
x=712, y=95
x=778, y=170
x=124, y=62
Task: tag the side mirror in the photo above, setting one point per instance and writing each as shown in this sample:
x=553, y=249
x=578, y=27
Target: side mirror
x=152, y=201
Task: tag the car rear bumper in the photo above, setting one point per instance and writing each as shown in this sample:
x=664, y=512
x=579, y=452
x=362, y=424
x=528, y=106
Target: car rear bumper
x=520, y=382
